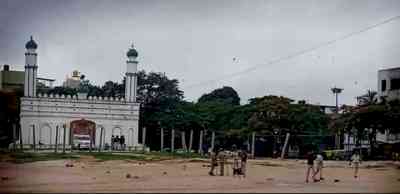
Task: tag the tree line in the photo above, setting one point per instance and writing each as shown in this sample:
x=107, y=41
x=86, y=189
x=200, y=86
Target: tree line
x=163, y=107
x=219, y=111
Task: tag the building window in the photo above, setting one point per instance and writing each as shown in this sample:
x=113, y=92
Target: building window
x=383, y=84
x=394, y=84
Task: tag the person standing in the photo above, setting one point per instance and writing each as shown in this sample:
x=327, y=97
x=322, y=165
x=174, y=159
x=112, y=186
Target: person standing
x=122, y=141
x=221, y=157
x=355, y=161
x=112, y=142
x=310, y=166
x=116, y=142
x=236, y=164
x=214, y=163
x=320, y=164
x=243, y=158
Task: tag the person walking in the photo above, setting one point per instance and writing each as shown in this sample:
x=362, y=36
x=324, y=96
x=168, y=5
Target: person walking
x=320, y=164
x=310, y=166
x=355, y=162
x=236, y=164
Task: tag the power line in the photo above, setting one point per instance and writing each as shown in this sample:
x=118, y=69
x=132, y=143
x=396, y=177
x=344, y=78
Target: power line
x=296, y=54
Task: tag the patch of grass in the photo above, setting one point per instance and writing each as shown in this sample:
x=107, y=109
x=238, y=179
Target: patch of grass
x=269, y=164
x=25, y=157
x=173, y=155
x=103, y=156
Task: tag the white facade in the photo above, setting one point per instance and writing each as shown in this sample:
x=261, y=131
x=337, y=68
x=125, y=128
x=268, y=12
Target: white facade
x=389, y=83
x=42, y=115
x=46, y=113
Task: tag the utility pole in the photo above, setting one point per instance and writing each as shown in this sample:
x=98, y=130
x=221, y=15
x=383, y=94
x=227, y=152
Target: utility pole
x=336, y=91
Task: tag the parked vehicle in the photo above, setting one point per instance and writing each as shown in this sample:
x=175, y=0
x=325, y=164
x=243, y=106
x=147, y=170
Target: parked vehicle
x=337, y=154
x=81, y=141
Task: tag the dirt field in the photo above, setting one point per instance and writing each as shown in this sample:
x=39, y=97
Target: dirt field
x=88, y=175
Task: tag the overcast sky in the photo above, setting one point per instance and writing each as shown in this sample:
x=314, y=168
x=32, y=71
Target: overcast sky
x=198, y=41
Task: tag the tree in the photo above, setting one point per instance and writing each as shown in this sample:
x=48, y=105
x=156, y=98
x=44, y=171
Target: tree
x=9, y=115
x=369, y=98
x=160, y=97
x=280, y=114
x=225, y=94
x=271, y=112
x=368, y=118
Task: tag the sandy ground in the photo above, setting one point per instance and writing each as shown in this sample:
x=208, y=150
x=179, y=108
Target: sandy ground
x=88, y=175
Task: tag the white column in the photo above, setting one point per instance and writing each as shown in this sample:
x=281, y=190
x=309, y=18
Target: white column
x=26, y=82
x=134, y=88
x=129, y=92
x=30, y=83
x=127, y=87
x=130, y=88
x=34, y=81
x=136, y=136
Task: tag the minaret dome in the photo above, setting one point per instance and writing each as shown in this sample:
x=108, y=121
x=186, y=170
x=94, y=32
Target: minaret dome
x=31, y=44
x=132, y=52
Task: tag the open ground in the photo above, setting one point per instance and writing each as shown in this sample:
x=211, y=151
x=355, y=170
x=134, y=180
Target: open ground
x=90, y=174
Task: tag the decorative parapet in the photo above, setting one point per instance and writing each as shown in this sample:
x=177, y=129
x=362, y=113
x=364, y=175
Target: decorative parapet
x=76, y=97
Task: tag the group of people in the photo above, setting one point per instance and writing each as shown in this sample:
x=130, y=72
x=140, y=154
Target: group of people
x=315, y=163
x=354, y=161
x=117, y=143
x=220, y=158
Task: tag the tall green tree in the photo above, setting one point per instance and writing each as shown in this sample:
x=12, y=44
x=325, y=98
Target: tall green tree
x=225, y=94
x=159, y=97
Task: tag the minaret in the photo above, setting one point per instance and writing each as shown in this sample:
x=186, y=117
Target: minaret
x=131, y=76
x=30, y=68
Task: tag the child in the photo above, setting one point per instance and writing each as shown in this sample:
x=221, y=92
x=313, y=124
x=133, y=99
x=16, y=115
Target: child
x=320, y=164
x=356, y=161
x=310, y=166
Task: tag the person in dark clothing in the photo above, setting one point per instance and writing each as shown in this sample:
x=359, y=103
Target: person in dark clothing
x=243, y=158
x=122, y=141
x=116, y=142
x=112, y=142
x=310, y=166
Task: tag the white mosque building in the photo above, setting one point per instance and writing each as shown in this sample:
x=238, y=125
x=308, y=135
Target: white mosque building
x=44, y=117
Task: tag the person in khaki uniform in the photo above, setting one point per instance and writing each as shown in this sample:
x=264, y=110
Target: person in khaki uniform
x=214, y=162
x=221, y=157
x=236, y=164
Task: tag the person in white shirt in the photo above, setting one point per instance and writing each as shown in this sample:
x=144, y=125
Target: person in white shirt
x=355, y=161
x=319, y=161
x=236, y=166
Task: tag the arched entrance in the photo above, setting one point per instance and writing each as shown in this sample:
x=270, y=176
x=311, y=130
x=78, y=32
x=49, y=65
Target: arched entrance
x=117, y=131
x=45, y=134
x=83, y=132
